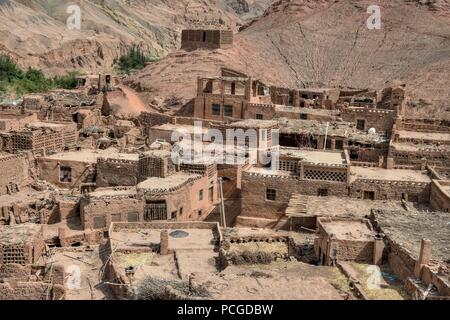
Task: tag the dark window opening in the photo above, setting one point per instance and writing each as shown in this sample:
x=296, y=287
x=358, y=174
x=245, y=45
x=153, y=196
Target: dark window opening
x=204, y=36
x=200, y=195
x=233, y=88
x=361, y=124
x=259, y=116
x=228, y=111
x=216, y=109
x=303, y=116
x=339, y=145
x=65, y=174
x=271, y=194
x=322, y=193
x=369, y=195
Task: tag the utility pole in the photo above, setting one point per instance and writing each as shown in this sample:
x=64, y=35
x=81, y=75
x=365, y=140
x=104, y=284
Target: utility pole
x=326, y=137
x=223, y=220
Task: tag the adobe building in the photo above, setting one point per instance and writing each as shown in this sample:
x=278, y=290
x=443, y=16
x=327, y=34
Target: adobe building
x=440, y=195
x=89, y=168
x=303, y=211
x=21, y=244
x=416, y=143
x=206, y=39
x=14, y=121
x=40, y=137
x=373, y=183
x=266, y=192
x=234, y=95
x=347, y=240
x=14, y=173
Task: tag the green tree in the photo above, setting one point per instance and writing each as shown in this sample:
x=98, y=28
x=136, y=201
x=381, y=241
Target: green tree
x=8, y=69
x=134, y=59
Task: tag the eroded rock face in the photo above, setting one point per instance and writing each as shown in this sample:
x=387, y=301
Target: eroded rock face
x=34, y=32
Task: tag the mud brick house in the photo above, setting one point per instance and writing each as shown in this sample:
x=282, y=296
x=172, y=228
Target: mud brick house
x=206, y=39
x=100, y=208
x=75, y=169
x=155, y=163
x=15, y=121
x=390, y=184
x=417, y=142
x=182, y=196
x=187, y=191
x=347, y=240
x=266, y=192
x=21, y=244
x=14, y=172
x=41, y=137
x=440, y=195
x=367, y=118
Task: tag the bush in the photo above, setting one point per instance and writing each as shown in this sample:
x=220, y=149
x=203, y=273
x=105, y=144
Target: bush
x=134, y=59
x=32, y=80
x=68, y=81
x=8, y=69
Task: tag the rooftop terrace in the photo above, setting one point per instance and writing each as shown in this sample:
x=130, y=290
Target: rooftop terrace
x=389, y=174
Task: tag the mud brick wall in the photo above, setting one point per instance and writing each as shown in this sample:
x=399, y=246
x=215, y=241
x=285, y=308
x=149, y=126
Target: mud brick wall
x=358, y=251
x=254, y=187
x=95, y=211
x=49, y=170
x=392, y=190
x=400, y=260
x=381, y=120
x=210, y=39
x=15, y=271
x=14, y=170
x=15, y=121
x=435, y=157
x=113, y=173
x=439, y=199
x=24, y=291
x=203, y=106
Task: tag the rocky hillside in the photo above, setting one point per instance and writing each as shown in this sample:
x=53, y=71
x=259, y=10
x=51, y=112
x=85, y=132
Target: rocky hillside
x=299, y=43
x=34, y=32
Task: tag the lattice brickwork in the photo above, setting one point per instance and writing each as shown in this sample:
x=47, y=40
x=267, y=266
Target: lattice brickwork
x=326, y=175
x=13, y=254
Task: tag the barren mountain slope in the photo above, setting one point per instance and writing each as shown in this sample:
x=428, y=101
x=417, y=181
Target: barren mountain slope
x=323, y=42
x=34, y=32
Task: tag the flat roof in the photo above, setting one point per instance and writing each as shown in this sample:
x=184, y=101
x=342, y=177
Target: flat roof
x=315, y=156
x=388, y=174
x=411, y=147
x=91, y=156
x=45, y=124
x=438, y=136
x=105, y=192
x=179, y=127
x=331, y=206
x=335, y=128
x=18, y=233
x=172, y=181
x=408, y=228
x=157, y=153
x=129, y=239
x=351, y=230
x=253, y=123
x=280, y=107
